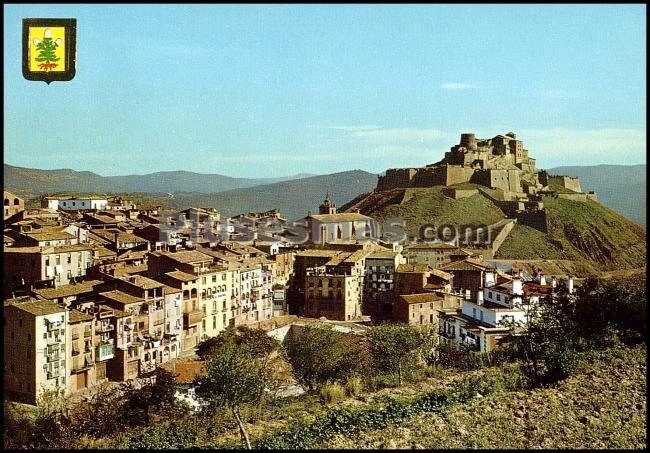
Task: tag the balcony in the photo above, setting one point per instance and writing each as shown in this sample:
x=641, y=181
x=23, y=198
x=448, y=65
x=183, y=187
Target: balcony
x=104, y=328
x=75, y=335
x=53, y=358
x=192, y=318
x=105, y=351
x=158, y=318
x=52, y=374
x=88, y=333
x=53, y=340
x=52, y=326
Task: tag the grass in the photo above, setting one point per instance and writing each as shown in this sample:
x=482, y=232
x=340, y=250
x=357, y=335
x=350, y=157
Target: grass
x=422, y=206
x=602, y=406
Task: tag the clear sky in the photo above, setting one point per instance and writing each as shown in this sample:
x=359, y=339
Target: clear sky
x=265, y=91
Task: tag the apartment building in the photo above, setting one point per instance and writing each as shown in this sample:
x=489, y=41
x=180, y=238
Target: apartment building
x=379, y=283
x=37, y=344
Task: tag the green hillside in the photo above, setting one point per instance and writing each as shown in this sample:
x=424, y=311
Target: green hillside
x=588, y=233
x=426, y=206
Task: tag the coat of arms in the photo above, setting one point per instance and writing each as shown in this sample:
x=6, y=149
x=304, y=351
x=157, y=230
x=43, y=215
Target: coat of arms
x=49, y=49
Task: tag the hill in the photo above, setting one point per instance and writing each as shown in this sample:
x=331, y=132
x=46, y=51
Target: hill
x=619, y=187
x=587, y=233
x=34, y=182
x=293, y=198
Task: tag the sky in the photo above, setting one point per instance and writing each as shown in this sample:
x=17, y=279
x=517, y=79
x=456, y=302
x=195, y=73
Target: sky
x=275, y=90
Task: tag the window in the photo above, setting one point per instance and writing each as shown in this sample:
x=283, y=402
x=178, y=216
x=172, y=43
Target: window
x=224, y=319
x=58, y=260
x=214, y=322
x=29, y=337
x=473, y=312
x=498, y=297
x=214, y=278
x=69, y=258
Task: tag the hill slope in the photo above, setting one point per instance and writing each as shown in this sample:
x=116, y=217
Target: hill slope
x=585, y=232
x=35, y=182
x=620, y=187
x=293, y=198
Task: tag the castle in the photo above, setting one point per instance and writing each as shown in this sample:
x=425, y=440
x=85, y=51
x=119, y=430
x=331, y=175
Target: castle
x=500, y=163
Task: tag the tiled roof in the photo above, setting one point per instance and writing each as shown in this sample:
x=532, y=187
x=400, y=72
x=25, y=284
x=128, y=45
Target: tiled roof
x=421, y=298
x=40, y=307
x=431, y=245
x=143, y=282
x=121, y=297
x=182, y=276
x=465, y=265
x=68, y=290
x=78, y=316
x=188, y=256
x=50, y=235
x=414, y=267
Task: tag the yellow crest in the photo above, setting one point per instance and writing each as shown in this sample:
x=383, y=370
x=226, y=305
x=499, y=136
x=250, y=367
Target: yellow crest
x=49, y=49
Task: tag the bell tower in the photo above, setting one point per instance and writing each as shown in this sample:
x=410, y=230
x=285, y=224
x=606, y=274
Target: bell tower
x=328, y=206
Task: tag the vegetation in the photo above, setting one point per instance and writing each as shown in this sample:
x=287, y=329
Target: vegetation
x=578, y=380
x=395, y=348
x=320, y=355
x=238, y=371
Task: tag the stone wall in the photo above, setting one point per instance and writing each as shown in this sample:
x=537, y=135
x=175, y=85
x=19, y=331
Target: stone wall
x=396, y=177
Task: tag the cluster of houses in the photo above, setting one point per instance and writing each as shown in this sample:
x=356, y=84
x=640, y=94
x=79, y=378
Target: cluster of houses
x=97, y=289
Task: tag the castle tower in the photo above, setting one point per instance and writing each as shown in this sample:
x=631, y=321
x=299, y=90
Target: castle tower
x=328, y=206
x=468, y=141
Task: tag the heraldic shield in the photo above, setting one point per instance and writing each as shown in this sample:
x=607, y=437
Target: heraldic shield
x=49, y=49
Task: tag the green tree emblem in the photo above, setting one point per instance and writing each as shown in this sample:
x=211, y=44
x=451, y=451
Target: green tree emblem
x=47, y=51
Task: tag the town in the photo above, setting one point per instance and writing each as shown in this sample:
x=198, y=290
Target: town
x=99, y=289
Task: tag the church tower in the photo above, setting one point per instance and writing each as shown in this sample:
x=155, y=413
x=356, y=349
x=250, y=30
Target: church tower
x=328, y=206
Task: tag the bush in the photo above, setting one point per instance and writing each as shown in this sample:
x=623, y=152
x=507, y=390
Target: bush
x=354, y=386
x=332, y=392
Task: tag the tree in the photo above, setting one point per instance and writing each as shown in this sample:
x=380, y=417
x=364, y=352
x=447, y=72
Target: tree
x=233, y=379
x=319, y=354
x=395, y=347
x=263, y=348
x=157, y=394
x=47, y=52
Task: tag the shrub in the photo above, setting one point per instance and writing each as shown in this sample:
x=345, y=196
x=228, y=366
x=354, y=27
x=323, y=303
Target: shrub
x=332, y=392
x=354, y=386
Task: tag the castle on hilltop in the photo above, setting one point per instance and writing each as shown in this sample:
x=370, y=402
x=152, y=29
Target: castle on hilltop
x=500, y=163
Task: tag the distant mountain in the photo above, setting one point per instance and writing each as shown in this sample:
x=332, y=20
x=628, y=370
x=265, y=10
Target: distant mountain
x=293, y=198
x=619, y=187
x=35, y=182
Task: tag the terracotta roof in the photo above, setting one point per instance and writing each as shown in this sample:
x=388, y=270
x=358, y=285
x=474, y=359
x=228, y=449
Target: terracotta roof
x=465, y=265
x=78, y=316
x=414, y=267
x=68, y=290
x=49, y=249
x=188, y=256
x=40, y=307
x=421, y=298
x=342, y=217
x=531, y=288
x=182, y=276
x=103, y=251
x=50, y=235
x=121, y=297
x=322, y=253
x=144, y=282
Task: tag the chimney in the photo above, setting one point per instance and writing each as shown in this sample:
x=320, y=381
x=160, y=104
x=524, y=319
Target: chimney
x=479, y=298
x=517, y=286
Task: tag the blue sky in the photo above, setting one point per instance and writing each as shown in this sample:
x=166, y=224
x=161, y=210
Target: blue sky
x=263, y=91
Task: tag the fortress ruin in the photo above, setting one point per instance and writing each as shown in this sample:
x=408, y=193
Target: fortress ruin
x=500, y=163
x=502, y=171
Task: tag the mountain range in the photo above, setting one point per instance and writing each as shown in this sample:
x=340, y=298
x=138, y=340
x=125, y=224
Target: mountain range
x=619, y=187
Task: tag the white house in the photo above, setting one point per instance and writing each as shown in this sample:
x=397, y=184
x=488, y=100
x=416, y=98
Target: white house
x=75, y=204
